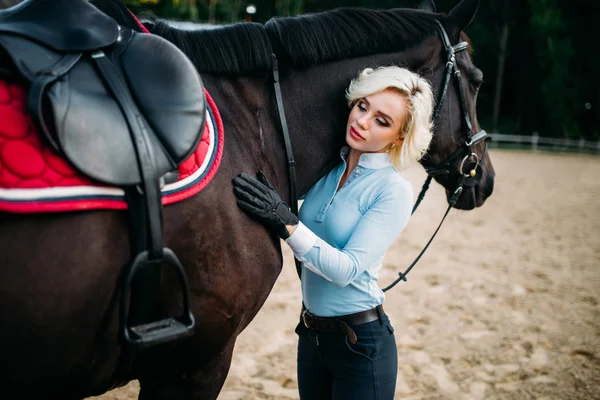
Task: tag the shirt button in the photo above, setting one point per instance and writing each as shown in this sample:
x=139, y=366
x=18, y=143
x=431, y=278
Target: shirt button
x=358, y=171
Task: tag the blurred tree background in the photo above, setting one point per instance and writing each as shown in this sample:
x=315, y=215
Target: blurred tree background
x=540, y=58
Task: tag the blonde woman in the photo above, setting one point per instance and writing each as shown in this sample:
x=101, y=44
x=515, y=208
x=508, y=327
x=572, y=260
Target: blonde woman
x=348, y=220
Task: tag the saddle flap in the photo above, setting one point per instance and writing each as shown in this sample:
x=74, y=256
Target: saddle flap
x=168, y=90
x=63, y=25
x=26, y=56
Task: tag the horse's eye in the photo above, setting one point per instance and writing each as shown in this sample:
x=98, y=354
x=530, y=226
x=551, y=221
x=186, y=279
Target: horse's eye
x=477, y=84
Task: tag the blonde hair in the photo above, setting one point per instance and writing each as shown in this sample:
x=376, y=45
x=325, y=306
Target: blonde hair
x=417, y=129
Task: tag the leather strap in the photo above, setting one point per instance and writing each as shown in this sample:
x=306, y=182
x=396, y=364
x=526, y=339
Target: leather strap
x=343, y=322
x=35, y=97
x=402, y=275
x=422, y=193
x=331, y=325
x=444, y=91
x=465, y=149
x=363, y=317
x=144, y=202
x=291, y=163
x=139, y=131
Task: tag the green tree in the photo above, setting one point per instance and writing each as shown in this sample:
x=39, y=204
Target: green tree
x=554, y=54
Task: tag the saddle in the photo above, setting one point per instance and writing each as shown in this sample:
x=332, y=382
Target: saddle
x=147, y=85
x=124, y=108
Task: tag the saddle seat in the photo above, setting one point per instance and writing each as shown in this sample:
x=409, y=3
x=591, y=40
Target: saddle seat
x=145, y=84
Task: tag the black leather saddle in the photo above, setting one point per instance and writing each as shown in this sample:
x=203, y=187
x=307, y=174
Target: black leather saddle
x=59, y=46
x=125, y=109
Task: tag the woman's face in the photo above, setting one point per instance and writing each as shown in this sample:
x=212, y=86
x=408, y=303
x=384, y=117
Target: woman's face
x=375, y=121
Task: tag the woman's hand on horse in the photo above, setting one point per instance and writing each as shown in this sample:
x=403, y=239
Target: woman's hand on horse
x=259, y=199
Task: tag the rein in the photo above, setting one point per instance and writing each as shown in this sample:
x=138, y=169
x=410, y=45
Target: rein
x=465, y=151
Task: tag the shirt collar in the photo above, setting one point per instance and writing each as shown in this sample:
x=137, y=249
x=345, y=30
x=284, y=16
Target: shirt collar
x=369, y=160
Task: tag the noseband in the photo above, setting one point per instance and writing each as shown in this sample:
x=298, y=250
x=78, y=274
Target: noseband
x=470, y=161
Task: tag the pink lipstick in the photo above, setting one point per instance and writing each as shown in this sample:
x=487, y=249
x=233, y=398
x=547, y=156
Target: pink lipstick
x=355, y=135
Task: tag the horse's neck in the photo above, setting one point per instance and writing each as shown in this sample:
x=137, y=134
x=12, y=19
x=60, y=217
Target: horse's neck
x=253, y=137
x=317, y=110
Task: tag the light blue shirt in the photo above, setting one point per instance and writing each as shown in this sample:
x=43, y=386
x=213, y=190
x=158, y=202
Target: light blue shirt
x=342, y=236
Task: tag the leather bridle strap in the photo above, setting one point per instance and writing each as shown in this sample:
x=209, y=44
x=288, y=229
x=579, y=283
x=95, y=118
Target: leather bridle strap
x=444, y=166
x=464, y=151
x=450, y=68
x=291, y=163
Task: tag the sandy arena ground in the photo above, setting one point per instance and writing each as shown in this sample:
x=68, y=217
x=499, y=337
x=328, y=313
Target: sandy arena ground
x=504, y=305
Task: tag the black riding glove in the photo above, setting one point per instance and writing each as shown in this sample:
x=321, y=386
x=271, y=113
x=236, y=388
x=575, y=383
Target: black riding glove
x=260, y=200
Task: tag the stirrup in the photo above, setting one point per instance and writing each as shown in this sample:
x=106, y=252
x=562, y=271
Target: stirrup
x=165, y=330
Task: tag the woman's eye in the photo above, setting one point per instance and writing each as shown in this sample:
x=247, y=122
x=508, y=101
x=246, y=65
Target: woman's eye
x=362, y=107
x=381, y=122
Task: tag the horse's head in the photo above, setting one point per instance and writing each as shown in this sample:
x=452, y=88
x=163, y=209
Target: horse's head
x=322, y=52
x=457, y=156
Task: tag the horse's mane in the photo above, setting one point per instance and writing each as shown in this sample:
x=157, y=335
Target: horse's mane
x=348, y=32
x=233, y=49
x=302, y=41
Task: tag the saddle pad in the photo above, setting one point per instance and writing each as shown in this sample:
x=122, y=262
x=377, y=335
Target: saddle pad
x=34, y=179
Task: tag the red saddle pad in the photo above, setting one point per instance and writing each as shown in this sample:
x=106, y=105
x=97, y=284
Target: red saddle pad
x=34, y=179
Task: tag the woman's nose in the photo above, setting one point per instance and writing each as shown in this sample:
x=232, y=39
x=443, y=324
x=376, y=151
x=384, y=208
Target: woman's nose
x=363, y=121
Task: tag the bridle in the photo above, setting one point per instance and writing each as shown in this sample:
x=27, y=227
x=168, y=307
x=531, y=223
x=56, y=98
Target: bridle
x=467, y=170
x=466, y=150
x=470, y=161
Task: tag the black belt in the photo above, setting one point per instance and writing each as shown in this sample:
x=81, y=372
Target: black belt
x=343, y=322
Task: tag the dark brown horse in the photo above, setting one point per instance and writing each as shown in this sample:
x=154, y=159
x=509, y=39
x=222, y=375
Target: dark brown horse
x=60, y=272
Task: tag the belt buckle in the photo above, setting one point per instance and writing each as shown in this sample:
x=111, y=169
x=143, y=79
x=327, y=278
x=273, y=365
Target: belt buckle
x=307, y=319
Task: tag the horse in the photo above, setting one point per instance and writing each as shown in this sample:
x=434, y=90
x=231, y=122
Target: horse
x=61, y=271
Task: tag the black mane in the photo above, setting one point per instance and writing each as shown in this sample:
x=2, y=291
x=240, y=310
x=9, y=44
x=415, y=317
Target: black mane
x=348, y=32
x=302, y=40
x=233, y=49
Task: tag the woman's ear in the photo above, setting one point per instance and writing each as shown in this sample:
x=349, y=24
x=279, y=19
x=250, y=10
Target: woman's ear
x=395, y=143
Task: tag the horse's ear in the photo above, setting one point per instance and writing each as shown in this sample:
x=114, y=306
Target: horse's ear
x=427, y=5
x=463, y=14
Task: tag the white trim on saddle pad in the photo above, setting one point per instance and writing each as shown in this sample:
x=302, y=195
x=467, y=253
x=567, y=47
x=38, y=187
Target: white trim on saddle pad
x=104, y=197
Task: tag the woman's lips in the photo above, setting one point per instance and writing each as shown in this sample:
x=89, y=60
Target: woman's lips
x=355, y=135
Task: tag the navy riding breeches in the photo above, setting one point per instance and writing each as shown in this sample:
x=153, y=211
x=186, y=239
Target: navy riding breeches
x=330, y=367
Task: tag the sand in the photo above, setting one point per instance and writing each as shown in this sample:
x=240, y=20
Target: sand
x=504, y=304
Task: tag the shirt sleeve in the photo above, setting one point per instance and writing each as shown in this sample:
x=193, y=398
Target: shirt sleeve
x=375, y=232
